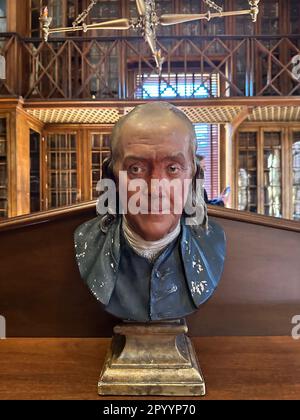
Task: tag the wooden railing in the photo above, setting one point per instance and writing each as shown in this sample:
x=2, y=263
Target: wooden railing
x=117, y=68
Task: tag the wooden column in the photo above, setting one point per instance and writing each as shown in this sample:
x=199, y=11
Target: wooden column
x=19, y=165
x=17, y=59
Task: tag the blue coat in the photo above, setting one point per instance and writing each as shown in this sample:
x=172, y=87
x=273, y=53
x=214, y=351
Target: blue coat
x=183, y=277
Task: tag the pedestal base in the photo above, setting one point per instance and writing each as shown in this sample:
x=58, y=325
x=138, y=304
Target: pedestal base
x=151, y=359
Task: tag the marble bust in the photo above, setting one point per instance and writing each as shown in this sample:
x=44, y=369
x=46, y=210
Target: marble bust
x=161, y=262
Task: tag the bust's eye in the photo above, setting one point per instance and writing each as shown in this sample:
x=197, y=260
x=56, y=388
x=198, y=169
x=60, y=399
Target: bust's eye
x=136, y=170
x=173, y=169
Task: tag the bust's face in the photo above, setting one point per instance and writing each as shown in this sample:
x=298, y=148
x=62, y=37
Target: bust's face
x=156, y=149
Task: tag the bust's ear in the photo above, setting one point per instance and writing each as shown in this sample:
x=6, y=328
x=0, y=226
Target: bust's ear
x=199, y=175
x=199, y=171
x=107, y=169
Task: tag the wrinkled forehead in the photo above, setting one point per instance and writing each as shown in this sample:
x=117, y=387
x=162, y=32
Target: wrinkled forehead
x=153, y=129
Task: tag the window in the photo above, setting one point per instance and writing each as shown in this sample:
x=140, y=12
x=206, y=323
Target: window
x=208, y=146
x=191, y=85
x=177, y=85
x=3, y=26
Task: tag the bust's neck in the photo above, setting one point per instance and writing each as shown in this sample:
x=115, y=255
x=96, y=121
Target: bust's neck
x=148, y=249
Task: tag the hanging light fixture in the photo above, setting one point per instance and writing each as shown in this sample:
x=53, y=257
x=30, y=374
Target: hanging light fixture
x=146, y=22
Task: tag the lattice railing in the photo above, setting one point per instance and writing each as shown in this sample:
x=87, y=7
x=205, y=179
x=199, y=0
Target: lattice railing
x=117, y=68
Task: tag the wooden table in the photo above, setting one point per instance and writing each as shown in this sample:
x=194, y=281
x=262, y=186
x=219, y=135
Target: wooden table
x=234, y=367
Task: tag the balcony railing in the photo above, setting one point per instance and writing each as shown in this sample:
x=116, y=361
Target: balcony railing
x=117, y=68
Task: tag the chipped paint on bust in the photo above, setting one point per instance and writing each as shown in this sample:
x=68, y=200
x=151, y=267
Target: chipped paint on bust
x=82, y=255
x=197, y=264
x=199, y=287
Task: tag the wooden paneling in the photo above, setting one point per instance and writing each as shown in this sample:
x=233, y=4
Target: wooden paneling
x=42, y=293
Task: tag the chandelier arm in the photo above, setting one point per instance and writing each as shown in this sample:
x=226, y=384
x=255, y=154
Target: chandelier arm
x=82, y=17
x=213, y=5
x=147, y=22
x=118, y=24
x=141, y=7
x=173, y=19
x=166, y=20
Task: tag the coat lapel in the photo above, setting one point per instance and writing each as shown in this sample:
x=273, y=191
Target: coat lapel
x=203, y=255
x=98, y=257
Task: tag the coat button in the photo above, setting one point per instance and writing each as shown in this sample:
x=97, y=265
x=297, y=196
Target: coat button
x=157, y=275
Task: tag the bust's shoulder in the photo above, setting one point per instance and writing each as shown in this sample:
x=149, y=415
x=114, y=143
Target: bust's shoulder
x=92, y=225
x=97, y=246
x=213, y=232
x=91, y=236
x=99, y=226
x=209, y=241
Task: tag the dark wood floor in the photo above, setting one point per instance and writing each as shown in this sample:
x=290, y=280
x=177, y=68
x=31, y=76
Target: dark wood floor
x=234, y=367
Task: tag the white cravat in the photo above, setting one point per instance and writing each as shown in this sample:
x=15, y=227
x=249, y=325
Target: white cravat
x=148, y=249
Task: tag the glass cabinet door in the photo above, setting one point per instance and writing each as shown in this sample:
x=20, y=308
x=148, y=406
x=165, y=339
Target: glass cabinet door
x=62, y=170
x=247, y=172
x=272, y=167
x=35, y=173
x=296, y=176
x=270, y=17
x=103, y=11
x=100, y=150
x=294, y=16
x=267, y=177
x=3, y=170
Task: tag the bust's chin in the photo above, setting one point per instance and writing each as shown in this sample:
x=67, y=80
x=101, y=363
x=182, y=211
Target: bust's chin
x=153, y=227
